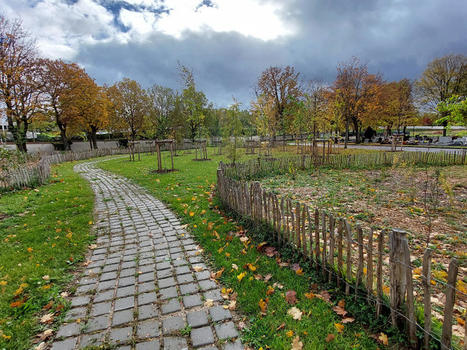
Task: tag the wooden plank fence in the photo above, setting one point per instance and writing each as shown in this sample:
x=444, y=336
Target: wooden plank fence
x=354, y=257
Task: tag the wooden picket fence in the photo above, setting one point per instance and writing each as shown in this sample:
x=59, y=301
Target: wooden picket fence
x=259, y=167
x=373, y=265
x=37, y=173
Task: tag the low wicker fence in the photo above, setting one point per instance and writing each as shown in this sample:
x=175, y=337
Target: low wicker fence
x=37, y=173
x=371, y=264
x=266, y=166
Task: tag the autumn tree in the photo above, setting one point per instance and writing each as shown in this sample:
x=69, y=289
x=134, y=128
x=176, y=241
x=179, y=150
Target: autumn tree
x=194, y=104
x=355, y=90
x=264, y=115
x=161, y=110
x=20, y=79
x=443, y=78
x=62, y=86
x=87, y=103
x=130, y=105
x=279, y=87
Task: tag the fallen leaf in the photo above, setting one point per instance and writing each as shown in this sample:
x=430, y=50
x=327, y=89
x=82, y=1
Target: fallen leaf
x=340, y=311
x=295, y=313
x=209, y=303
x=198, y=268
x=216, y=275
x=232, y=305
x=47, y=318
x=348, y=320
x=41, y=346
x=310, y=295
x=289, y=333
x=324, y=295
x=267, y=277
x=241, y=276
x=234, y=266
x=339, y=327
x=297, y=344
x=263, y=305
x=291, y=297
x=341, y=303
x=270, y=251
x=270, y=290
x=383, y=338
x=299, y=272
x=330, y=337
x=251, y=267
x=282, y=326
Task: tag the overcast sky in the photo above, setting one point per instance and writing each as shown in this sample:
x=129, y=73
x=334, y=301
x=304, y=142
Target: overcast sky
x=228, y=43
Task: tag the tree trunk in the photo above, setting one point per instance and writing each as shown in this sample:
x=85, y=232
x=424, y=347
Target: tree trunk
x=357, y=130
x=346, y=140
x=66, y=142
x=89, y=139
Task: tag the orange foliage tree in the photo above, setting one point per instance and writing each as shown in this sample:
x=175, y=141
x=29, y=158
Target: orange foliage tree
x=20, y=80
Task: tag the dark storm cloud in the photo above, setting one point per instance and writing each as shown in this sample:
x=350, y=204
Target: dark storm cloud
x=394, y=37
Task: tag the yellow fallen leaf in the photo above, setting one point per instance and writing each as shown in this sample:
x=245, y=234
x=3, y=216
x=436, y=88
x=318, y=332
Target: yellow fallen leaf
x=339, y=327
x=289, y=333
x=383, y=338
x=241, y=276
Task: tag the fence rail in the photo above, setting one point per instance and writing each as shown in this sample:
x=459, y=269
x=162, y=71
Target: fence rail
x=373, y=265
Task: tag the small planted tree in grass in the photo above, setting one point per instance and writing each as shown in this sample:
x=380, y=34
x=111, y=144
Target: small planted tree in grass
x=232, y=129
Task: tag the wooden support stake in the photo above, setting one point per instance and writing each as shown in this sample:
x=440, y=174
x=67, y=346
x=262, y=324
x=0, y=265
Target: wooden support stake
x=331, y=246
x=410, y=302
x=426, y=282
x=317, y=251
x=310, y=233
x=379, y=274
x=340, y=233
x=449, y=305
x=358, y=280
x=397, y=275
x=324, y=231
x=348, y=272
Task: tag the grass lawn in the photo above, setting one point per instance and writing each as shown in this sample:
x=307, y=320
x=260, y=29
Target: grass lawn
x=257, y=279
x=44, y=233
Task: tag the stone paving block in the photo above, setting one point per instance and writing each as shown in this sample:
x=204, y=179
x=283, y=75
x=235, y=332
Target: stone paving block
x=202, y=275
x=163, y=265
x=88, y=288
x=209, y=347
x=97, y=323
x=147, y=298
x=197, y=318
x=168, y=293
x=190, y=301
x=218, y=313
x=124, y=303
x=164, y=273
x=172, y=305
x=237, y=345
x=185, y=278
x=147, y=311
x=128, y=281
x=122, y=317
x=75, y=313
x=108, y=276
x=126, y=291
x=105, y=285
x=91, y=339
x=101, y=308
x=149, y=345
x=121, y=335
x=172, y=324
x=103, y=296
x=148, y=329
x=202, y=336
x=207, y=285
x=146, y=287
x=128, y=272
x=226, y=330
x=180, y=262
x=188, y=288
x=146, y=277
x=213, y=295
x=80, y=301
x=166, y=282
x=175, y=343
x=67, y=344
x=68, y=330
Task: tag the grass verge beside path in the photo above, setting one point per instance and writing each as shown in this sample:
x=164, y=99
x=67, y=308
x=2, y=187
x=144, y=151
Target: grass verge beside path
x=188, y=192
x=44, y=232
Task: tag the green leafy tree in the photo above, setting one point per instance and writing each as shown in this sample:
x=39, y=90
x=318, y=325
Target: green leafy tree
x=454, y=110
x=232, y=129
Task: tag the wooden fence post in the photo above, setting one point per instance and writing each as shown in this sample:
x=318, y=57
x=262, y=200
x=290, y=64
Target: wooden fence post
x=369, y=265
x=358, y=279
x=397, y=274
x=348, y=272
x=324, y=231
x=412, y=325
x=379, y=274
x=449, y=305
x=426, y=280
x=331, y=246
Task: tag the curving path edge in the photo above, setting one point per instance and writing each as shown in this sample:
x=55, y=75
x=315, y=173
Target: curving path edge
x=146, y=285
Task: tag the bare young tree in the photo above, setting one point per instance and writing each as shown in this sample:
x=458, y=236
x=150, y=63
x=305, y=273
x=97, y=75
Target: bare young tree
x=20, y=79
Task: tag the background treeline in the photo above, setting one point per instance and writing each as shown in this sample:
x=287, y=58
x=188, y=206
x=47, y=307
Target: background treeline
x=58, y=95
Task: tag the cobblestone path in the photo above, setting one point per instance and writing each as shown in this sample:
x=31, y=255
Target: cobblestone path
x=146, y=285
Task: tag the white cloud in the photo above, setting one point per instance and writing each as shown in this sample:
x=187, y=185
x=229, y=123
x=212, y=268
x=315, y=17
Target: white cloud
x=253, y=18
